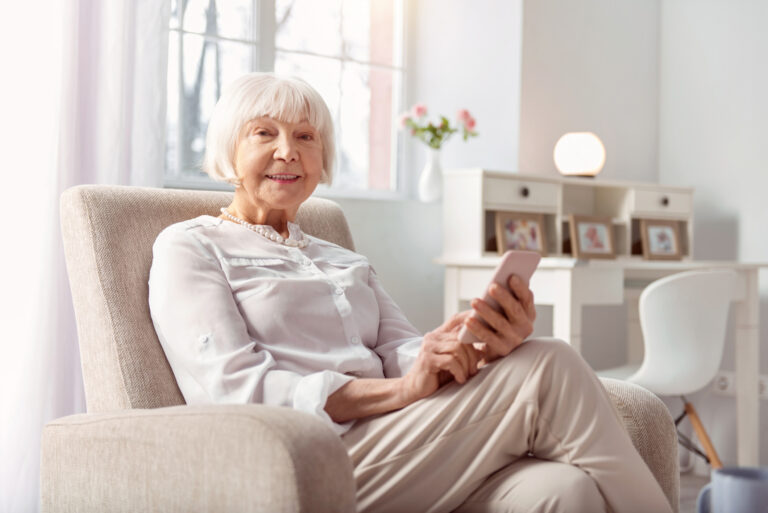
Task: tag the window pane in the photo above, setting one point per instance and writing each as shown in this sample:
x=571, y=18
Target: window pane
x=308, y=26
x=356, y=29
x=224, y=18
x=194, y=15
x=354, y=121
x=175, y=15
x=236, y=21
x=207, y=67
x=322, y=73
x=369, y=31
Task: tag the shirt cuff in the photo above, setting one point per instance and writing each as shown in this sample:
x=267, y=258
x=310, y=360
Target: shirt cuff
x=312, y=392
x=401, y=360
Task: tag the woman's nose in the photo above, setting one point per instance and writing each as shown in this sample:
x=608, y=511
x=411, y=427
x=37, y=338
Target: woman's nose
x=286, y=149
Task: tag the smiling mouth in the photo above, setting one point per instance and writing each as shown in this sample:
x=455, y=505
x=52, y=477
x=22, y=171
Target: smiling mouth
x=283, y=178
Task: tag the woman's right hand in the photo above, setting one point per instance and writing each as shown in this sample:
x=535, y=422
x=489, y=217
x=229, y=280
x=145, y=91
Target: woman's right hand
x=441, y=358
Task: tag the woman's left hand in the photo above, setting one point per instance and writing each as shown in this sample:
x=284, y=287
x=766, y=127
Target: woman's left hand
x=508, y=329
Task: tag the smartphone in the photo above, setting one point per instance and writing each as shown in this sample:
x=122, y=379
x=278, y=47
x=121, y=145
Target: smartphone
x=521, y=263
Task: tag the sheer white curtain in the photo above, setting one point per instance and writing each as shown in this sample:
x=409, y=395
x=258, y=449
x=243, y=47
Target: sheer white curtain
x=82, y=101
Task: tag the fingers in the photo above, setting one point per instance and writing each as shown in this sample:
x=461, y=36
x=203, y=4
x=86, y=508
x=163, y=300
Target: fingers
x=517, y=306
x=448, y=354
x=447, y=362
x=513, y=312
x=464, y=354
x=524, y=295
x=507, y=328
x=510, y=305
x=458, y=371
x=473, y=358
x=456, y=321
x=495, y=345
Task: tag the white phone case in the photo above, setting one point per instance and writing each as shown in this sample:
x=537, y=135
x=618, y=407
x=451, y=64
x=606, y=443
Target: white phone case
x=521, y=263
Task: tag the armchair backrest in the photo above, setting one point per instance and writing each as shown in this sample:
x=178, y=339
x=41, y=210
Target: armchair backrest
x=108, y=233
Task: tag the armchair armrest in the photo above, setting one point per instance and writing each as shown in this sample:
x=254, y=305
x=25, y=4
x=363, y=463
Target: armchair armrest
x=195, y=458
x=652, y=430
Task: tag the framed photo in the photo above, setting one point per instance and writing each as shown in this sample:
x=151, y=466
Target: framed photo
x=661, y=239
x=592, y=237
x=520, y=230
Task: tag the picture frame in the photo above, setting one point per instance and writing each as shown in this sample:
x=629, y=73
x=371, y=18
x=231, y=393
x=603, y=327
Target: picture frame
x=661, y=239
x=592, y=237
x=521, y=231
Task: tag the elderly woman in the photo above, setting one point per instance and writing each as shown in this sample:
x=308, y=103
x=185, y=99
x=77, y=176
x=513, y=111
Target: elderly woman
x=249, y=309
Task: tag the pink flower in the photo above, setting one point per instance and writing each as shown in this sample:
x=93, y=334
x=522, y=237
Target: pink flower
x=419, y=110
x=466, y=119
x=404, y=117
x=463, y=115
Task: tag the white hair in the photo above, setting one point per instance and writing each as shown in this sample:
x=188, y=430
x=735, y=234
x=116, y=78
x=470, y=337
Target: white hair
x=286, y=99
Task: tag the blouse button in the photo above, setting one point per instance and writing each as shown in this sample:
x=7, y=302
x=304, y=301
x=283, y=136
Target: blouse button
x=355, y=340
x=339, y=292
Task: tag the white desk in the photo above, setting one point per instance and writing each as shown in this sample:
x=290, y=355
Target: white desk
x=568, y=285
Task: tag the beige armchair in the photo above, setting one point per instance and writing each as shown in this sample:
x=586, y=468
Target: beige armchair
x=140, y=448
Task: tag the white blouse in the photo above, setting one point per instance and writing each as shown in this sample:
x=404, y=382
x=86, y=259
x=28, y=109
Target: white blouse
x=243, y=319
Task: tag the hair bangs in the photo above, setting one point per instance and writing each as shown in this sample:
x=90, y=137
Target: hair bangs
x=255, y=95
x=289, y=101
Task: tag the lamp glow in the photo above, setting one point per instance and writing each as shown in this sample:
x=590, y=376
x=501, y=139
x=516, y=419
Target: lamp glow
x=579, y=154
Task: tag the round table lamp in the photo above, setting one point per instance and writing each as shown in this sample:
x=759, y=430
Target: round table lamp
x=579, y=154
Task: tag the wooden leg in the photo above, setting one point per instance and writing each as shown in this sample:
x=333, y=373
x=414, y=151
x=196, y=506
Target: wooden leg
x=701, y=434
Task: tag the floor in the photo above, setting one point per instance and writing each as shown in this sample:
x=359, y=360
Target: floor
x=690, y=484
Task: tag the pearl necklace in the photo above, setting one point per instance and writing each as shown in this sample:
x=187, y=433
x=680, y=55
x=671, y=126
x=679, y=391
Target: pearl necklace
x=266, y=233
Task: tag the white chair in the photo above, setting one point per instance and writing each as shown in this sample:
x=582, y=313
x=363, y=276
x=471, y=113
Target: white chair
x=684, y=319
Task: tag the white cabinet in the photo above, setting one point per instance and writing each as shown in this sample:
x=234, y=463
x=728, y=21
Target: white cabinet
x=473, y=196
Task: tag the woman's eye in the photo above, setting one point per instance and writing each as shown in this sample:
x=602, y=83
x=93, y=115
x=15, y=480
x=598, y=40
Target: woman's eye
x=306, y=137
x=261, y=132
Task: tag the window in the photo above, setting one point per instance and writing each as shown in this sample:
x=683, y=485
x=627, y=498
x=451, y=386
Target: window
x=349, y=50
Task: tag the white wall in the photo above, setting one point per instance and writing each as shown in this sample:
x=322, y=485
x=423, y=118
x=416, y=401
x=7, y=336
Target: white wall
x=713, y=134
x=591, y=65
x=467, y=55
x=460, y=55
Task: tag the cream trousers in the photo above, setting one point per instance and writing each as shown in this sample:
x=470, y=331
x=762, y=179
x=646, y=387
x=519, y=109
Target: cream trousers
x=532, y=432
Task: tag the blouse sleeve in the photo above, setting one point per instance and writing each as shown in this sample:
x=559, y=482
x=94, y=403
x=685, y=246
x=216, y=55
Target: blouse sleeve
x=398, y=341
x=206, y=341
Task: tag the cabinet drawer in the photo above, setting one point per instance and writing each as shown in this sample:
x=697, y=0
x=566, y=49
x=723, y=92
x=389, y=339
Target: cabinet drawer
x=662, y=202
x=521, y=194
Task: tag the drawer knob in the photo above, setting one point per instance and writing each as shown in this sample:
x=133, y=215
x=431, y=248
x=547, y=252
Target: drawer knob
x=664, y=201
x=524, y=192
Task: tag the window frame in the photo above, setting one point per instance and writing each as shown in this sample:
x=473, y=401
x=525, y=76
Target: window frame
x=264, y=59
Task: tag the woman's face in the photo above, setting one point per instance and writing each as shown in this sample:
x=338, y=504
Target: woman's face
x=279, y=164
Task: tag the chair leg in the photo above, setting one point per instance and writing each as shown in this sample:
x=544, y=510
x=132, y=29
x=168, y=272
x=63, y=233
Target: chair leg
x=701, y=434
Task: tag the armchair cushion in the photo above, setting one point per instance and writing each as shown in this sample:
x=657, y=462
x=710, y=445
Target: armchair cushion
x=195, y=458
